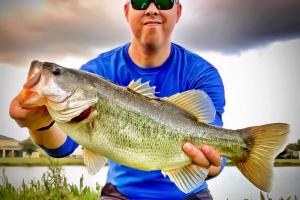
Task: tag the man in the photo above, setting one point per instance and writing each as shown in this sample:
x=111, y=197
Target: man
x=151, y=56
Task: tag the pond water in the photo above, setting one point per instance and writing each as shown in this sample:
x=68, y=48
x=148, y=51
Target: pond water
x=229, y=185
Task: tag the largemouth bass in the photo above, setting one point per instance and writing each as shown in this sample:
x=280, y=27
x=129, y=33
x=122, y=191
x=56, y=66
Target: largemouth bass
x=133, y=127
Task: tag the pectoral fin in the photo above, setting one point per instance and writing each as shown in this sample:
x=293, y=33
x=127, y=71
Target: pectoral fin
x=187, y=178
x=94, y=162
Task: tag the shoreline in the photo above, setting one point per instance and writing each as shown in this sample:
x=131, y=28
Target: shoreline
x=277, y=163
x=46, y=161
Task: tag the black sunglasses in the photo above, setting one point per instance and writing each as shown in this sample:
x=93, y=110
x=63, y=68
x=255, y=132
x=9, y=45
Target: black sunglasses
x=160, y=4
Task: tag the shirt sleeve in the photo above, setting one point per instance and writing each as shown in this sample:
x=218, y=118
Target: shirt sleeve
x=90, y=66
x=207, y=78
x=95, y=66
x=64, y=150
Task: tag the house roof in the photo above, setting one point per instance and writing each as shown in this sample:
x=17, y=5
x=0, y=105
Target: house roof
x=2, y=137
x=10, y=148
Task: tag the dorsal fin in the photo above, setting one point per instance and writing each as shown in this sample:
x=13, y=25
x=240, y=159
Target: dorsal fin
x=195, y=102
x=142, y=88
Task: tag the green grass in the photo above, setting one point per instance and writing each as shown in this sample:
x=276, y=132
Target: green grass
x=52, y=186
x=79, y=161
x=287, y=162
x=267, y=197
x=39, y=161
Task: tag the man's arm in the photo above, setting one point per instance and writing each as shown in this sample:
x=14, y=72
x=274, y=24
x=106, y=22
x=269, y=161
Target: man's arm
x=52, y=138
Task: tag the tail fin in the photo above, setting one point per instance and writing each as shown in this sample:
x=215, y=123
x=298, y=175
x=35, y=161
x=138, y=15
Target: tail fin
x=266, y=141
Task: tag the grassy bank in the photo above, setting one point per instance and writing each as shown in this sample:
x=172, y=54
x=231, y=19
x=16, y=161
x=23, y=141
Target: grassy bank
x=79, y=161
x=52, y=186
x=39, y=161
x=278, y=162
x=287, y=162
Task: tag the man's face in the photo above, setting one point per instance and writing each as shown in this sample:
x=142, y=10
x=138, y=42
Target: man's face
x=152, y=27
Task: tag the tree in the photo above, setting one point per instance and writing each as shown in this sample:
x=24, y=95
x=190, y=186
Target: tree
x=28, y=146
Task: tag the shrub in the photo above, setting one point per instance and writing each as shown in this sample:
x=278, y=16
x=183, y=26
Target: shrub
x=52, y=186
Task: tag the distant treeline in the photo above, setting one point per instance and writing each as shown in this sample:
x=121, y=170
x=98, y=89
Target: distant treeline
x=291, y=151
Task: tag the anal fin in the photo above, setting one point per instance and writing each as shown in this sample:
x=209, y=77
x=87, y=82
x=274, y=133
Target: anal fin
x=94, y=162
x=187, y=178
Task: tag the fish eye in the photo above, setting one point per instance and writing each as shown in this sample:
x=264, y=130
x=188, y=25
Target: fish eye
x=56, y=71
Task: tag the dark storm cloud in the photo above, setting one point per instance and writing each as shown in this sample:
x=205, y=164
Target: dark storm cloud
x=55, y=28
x=61, y=28
x=234, y=25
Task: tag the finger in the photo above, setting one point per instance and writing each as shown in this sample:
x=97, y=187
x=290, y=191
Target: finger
x=15, y=110
x=212, y=155
x=196, y=155
x=17, y=113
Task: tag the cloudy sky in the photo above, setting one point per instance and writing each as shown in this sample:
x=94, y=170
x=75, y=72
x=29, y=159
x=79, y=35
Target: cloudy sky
x=254, y=44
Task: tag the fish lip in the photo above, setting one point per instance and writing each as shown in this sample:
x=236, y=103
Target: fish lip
x=33, y=81
x=34, y=74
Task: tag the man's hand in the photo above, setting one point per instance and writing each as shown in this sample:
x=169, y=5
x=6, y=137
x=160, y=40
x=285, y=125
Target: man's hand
x=36, y=118
x=33, y=119
x=205, y=156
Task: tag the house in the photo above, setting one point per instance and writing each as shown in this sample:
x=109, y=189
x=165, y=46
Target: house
x=9, y=147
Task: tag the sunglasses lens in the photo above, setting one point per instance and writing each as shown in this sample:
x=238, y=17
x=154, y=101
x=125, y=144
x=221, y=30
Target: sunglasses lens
x=140, y=4
x=160, y=4
x=164, y=4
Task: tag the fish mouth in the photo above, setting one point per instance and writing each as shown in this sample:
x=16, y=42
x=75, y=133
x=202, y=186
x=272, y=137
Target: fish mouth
x=29, y=96
x=83, y=115
x=43, y=88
